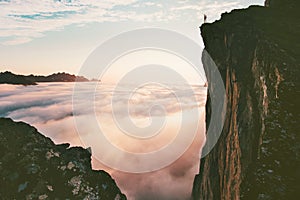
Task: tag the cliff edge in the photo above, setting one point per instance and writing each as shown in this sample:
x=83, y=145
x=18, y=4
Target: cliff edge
x=257, y=51
x=33, y=167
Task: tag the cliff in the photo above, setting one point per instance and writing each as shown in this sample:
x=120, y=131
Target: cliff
x=33, y=167
x=257, y=155
x=11, y=78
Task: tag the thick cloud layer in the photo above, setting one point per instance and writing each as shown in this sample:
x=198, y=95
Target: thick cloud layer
x=48, y=106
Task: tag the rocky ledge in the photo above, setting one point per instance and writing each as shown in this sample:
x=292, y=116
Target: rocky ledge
x=33, y=167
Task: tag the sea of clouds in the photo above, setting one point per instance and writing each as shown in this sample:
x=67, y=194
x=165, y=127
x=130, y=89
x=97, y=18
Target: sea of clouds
x=49, y=107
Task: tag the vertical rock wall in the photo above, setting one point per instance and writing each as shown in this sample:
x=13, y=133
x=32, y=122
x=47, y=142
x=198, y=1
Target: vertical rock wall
x=257, y=156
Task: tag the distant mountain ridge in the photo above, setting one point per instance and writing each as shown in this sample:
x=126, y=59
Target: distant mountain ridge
x=11, y=78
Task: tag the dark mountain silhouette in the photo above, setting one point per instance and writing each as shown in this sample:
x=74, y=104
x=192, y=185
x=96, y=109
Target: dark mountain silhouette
x=11, y=78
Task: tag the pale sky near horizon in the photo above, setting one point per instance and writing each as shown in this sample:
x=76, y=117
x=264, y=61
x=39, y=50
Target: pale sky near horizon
x=48, y=36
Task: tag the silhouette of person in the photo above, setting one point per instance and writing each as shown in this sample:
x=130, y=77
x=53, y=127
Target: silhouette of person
x=205, y=18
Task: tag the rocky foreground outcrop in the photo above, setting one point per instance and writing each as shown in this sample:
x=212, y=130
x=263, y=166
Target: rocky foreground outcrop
x=33, y=167
x=257, y=51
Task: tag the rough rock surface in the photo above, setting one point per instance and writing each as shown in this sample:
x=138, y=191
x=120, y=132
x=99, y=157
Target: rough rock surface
x=257, y=51
x=33, y=167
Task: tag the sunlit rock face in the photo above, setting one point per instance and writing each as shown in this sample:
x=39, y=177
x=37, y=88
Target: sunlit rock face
x=33, y=167
x=257, y=156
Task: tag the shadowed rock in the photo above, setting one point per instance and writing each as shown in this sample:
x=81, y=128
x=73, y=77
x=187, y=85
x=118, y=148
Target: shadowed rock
x=33, y=167
x=257, y=155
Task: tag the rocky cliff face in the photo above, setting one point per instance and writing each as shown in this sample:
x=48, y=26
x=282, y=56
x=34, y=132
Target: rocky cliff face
x=33, y=167
x=257, y=156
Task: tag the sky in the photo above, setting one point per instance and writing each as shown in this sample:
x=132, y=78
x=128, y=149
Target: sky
x=47, y=36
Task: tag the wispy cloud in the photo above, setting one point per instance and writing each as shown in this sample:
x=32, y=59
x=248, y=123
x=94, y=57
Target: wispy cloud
x=23, y=20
